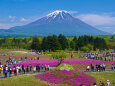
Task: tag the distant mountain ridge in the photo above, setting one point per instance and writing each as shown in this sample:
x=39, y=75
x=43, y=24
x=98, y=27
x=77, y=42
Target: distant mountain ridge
x=57, y=22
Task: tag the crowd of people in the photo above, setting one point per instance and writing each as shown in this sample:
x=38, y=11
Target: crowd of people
x=9, y=69
x=103, y=56
x=98, y=67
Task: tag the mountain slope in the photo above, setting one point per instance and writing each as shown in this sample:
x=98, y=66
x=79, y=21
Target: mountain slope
x=57, y=22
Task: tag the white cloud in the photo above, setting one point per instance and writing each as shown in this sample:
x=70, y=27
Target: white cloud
x=96, y=19
x=4, y=26
x=73, y=12
x=108, y=29
x=15, y=21
x=12, y=18
x=7, y=26
x=23, y=20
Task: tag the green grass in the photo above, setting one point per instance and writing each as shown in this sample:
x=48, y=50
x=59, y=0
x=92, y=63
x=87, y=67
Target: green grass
x=104, y=76
x=65, y=67
x=26, y=80
x=30, y=80
x=13, y=51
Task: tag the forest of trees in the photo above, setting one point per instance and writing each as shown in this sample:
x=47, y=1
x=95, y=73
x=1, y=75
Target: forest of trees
x=53, y=43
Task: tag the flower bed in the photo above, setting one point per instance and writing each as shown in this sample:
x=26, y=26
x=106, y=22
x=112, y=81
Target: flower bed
x=72, y=77
x=36, y=62
x=55, y=62
x=87, y=62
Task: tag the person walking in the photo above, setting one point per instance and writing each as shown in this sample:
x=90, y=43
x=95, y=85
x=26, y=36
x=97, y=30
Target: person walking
x=91, y=67
x=5, y=73
x=37, y=58
x=27, y=69
x=96, y=67
x=0, y=62
x=108, y=83
x=38, y=67
x=23, y=69
x=88, y=68
x=15, y=71
x=101, y=67
x=34, y=69
x=109, y=59
x=30, y=68
x=94, y=84
x=48, y=67
x=112, y=58
x=105, y=58
x=101, y=84
x=20, y=69
x=0, y=69
x=45, y=68
x=4, y=69
x=42, y=68
x=104, y=66
x=112, y=67
x=10, y=73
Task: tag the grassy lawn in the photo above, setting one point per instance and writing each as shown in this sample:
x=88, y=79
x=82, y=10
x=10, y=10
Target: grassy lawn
x=104, y=76
x=26, y=80
x=30, y=80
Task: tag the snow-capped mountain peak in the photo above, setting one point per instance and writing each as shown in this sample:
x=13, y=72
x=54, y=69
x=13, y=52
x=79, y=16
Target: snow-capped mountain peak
x=57, y=22
x=57, y=12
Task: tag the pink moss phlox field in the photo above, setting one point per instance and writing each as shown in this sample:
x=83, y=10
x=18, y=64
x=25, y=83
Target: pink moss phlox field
x=74, y=80
x=86, y=62
x=50, y=78
x=55, y=62
x=36, y=62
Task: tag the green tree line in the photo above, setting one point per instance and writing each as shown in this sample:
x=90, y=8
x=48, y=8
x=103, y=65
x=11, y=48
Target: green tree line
x=53, y=43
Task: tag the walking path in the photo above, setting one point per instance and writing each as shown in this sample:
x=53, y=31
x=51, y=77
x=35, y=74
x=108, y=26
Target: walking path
x=100, y=71
x=2, y=77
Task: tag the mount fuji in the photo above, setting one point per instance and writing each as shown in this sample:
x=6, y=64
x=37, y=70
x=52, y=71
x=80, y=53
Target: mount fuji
x=57, y=22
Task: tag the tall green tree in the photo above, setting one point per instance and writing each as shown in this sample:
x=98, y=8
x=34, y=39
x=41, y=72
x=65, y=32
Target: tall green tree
x=63, y=41
x=72, y=45
x=44, y=45
x=36, y=45
x=51, y=43
x=55, y=43
x=80, y=43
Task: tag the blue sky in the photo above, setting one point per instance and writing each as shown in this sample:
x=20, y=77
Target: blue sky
x=98, y=13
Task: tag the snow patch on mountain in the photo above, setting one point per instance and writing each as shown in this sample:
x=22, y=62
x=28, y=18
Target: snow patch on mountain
x=57, y=22
x=57, y=12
